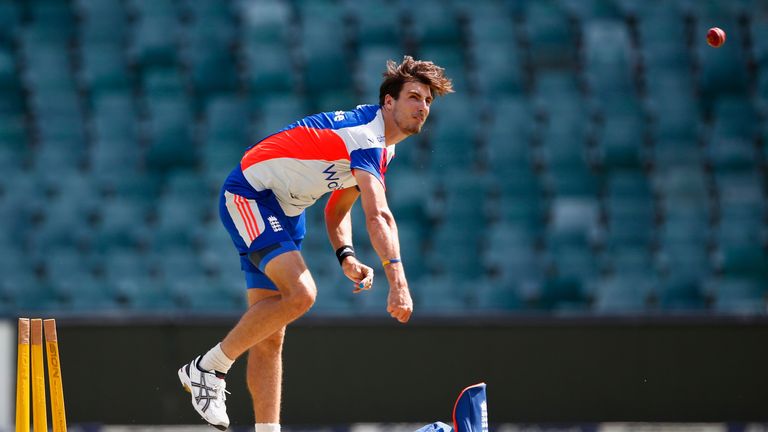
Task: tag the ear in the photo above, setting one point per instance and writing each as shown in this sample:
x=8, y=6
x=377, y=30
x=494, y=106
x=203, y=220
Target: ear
x=388, y=101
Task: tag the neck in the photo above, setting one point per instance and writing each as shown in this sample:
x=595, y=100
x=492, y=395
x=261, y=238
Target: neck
x=392, y=133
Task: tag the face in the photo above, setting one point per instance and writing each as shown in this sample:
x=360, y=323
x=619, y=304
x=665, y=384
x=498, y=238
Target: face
x=411, y=109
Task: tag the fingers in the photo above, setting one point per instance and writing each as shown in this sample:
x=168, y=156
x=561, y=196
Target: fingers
x=366, y=282
x=400, y=313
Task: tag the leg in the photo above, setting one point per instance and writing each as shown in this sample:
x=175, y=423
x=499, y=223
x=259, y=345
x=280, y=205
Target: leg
x=264, y=318
x=265, y=368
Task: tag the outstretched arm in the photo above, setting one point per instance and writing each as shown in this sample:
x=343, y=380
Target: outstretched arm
x=338, y=223
x=383, y=232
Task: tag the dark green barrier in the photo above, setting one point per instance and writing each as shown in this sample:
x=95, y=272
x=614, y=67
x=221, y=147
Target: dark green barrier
x=565, y=370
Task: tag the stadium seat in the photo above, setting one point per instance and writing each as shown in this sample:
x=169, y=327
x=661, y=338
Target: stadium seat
x=508, y=141
x=574, y=222
x=443, y=295
x=209, y=56
x=685, y=261
x=322, y=45
x=609, y=58
x=492, y=296
x=10, y=22
x=375, y=23
x=501, y=73
x=103, y=23
x=372, y=63
x=406, y=194
x=521, y=202
x=623, y=295
x=682, y=294
x=739, y=296
x=104, y=67
x=620, y=143
x=563, y=295
x=549, y=35
x=265, y=22
x=73, y=281
x=170, y=136
x=268, y=70
x=155, y=40
x=452, y=141
x=122, y=224
x=489, y=22
x=436, y=24
x=455, y=250
x=722, y=72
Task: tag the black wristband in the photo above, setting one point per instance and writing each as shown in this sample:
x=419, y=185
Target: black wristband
x=344, y=252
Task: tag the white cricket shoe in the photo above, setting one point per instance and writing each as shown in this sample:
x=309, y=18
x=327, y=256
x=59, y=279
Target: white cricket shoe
x=208, y=393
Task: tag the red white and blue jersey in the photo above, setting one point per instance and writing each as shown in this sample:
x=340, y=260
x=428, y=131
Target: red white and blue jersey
x=314, y=156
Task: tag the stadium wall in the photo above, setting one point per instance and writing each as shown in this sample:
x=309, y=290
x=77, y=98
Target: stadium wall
x=346, y=371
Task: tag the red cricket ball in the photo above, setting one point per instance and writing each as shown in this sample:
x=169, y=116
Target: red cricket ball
x=715, y=37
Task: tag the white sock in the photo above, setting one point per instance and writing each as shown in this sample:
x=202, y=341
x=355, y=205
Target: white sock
x=267, y=427
x=216, y=360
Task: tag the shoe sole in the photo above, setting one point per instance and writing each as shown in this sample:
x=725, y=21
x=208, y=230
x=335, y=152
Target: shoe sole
x=183, y=377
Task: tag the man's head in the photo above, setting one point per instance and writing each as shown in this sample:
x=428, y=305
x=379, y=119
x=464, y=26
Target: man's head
x=408, y=90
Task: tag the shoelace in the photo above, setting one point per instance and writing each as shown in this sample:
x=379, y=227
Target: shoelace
x=221, y=392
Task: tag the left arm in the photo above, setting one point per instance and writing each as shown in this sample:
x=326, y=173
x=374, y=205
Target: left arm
x=338, y=220
x=338, y=223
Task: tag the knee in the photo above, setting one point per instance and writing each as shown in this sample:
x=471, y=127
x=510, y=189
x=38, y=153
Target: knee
x=272, y=345
x=301, y=299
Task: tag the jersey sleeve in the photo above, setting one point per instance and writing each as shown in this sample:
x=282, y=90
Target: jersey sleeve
x=372, y=160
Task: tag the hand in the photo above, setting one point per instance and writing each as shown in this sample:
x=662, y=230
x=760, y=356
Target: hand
x=357, y=272
x=399, y=304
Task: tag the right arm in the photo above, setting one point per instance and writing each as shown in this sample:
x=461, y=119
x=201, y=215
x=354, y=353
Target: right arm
x=382, y=230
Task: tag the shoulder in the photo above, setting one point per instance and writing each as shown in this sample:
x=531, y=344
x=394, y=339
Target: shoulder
x=360, y=116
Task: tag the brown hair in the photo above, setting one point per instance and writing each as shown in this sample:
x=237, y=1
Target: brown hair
x=409, y=70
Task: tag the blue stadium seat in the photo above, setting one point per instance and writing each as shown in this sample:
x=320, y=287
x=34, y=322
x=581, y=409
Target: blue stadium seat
x=371, y=65
x=508, y=140
x=269, y=70
x=73, y=281
x=493, y=296
x=721, y=71
x=608, y=57
x=436, y=24
x=170, y=135
x=209, y=55
x=102, y=22
x=488, y=22
x=500, y=73
x=265, y=22
x=563, y=295
x=672, y=105
x=104, y=67
x=682, y=294
x=122, y=224
x=152, y=43
x=322, y=46
x=739, y=296
x=549, y=34
x=407, y=195
x=455, y=250
x=376, y=23
x=10, y=22
x=620, y=295
x=277, y=112
x=620, y=143
x=452, y=140
x=442, y=295
x=573, y=221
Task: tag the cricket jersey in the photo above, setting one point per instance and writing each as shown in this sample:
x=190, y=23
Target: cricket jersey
x=314, y=156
